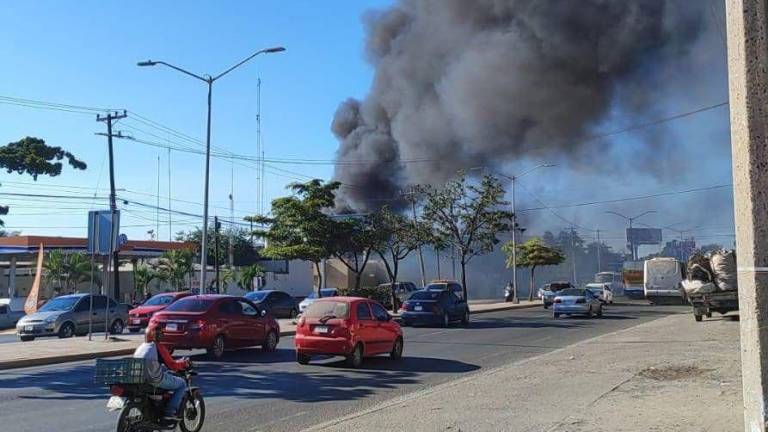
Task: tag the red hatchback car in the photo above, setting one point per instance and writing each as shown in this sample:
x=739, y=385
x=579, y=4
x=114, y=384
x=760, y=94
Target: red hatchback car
x=216, y=323
x=138, y=317
x=348, y=326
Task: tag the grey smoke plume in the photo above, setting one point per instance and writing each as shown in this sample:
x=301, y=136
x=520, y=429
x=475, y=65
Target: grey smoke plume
x=462, y=83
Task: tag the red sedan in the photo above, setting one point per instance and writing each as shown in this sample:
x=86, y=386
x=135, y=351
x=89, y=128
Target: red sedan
x=138, y=317
x=216, y=323
x=348, y=326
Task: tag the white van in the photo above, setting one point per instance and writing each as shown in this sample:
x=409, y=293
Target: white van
x=663, y=280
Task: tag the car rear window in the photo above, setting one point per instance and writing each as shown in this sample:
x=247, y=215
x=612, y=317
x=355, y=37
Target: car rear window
x=425, y=295
x=323, y=308
x=571, y=292
x=559, y=286
x=159, y=300
x=190, y=304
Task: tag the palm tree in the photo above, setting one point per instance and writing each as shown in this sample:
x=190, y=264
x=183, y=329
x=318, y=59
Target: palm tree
x=55, y=271
x=142, y=276
x=174, y=266
x=248, y=274
x=65, y=271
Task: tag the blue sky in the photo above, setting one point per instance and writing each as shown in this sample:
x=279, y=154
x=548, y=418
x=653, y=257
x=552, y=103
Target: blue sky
x=85, y=53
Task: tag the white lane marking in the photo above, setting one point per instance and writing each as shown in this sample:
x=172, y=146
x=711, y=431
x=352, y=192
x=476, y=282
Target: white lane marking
x=298, y=414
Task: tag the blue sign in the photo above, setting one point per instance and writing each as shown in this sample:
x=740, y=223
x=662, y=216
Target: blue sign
x=101, y=228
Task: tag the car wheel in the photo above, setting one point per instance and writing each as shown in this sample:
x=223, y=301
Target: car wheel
x=546, y=306
x=446, y=320
x=698, y=318
x=270, y=343
x=355, y=359
x=117, y=327
x=67, y=330
x=465, y=318
x=590, y=314
x=600, y=312
x=302, y=359
x=555, y=315
x=26, y=338
x=397, y=349
x=294, y=313
x=217, y=350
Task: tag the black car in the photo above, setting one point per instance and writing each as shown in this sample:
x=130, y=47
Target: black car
x=430, y=307
x=280, y=304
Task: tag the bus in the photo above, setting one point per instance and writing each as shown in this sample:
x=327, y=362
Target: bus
x=632, y=273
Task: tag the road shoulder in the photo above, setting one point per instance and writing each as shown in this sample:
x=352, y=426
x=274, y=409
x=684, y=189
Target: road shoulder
x=670, y=374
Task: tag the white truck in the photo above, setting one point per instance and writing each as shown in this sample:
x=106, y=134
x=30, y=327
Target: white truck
x=663, y=279
x=613, y=279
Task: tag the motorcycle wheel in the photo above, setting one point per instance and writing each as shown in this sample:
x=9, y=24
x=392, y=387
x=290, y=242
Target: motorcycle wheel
x=192, y=413
x=130, y=417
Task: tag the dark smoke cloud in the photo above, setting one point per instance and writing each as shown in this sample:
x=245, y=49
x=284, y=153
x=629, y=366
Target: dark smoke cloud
x=485, y=82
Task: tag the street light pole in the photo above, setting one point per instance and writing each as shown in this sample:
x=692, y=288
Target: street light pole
x=513, y=178
x=209, y=80
x=630, y=220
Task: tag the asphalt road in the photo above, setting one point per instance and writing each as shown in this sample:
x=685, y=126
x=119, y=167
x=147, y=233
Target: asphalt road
x=251, y=390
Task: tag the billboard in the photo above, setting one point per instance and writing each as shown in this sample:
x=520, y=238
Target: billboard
x=644, y=236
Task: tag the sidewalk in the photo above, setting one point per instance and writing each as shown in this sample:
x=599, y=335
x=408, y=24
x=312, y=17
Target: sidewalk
x=51, y=350
x=672, y=374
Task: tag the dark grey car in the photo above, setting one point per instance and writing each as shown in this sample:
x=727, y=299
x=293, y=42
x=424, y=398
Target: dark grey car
x=69, y=315
x=403, y=290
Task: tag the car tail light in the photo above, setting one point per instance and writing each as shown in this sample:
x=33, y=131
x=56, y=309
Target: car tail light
x=557, y=300
x=405, y=307
x=116, y=390
x=581, y=300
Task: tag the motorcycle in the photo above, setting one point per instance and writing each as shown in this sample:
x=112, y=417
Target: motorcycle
x=142, y=405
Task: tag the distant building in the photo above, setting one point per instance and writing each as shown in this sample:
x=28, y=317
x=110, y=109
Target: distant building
x=681, y=250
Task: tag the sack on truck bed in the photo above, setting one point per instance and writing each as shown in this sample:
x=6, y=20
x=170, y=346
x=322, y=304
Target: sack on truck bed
x=699, y=268
x=723, y=264
x=697, y=287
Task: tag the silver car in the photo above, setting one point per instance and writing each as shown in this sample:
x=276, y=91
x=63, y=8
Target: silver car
x=577, y=301
x=69, y=315
x=325, y=292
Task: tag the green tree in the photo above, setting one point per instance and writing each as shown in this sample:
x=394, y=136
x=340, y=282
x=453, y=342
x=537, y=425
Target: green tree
x=248, y=274
x=143, y=275
x=299, y=227
x=355, y=238
x=174, y=266
x=533, y=253
x=64, y=271
x=468, y=216
x=32, y=156
x=399, y=236
x=243, y=251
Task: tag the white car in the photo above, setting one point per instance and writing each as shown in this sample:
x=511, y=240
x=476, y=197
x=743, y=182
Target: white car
x=602, y=290
x=325, y=292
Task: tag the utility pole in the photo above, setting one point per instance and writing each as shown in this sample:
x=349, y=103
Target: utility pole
x=216, y=226
x=747, y=80
x=232, y=217
x=259, y=166
x=157, y=207
x=170, y=221
x=411, y=196
x=573, y=255
x=109, y=119
x=598, y=251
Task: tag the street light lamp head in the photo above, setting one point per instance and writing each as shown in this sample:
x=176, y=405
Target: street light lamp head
x=274, y=50
x=146, y=63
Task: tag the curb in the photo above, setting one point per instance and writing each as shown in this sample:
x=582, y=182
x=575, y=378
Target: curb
x=17, y=364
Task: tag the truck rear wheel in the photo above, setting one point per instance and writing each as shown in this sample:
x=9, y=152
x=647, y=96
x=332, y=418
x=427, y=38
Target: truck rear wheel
x=698, y=318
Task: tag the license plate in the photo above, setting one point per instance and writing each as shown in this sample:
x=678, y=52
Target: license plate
x=29, y=328
x=321, y=329
x=418, y=308
x=171, y=327
x=115, y=403
x=136, y=321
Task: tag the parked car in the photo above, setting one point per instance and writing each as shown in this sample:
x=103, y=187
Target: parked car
x=577, y=301
x=9, y=313
x=326, y=292
x=138, y=317
x=434, y=307
x=453, y=286
x=347, y=326
x=280, y=304
x=549, y=291
x=216, y=323
x=403, y=290
x=68, y=315
x=603, y=291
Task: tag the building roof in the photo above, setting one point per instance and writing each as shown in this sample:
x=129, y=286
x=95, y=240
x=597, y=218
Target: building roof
x=29, y=245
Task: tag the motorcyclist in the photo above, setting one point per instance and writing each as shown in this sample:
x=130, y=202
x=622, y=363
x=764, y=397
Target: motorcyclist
x=158, y=364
